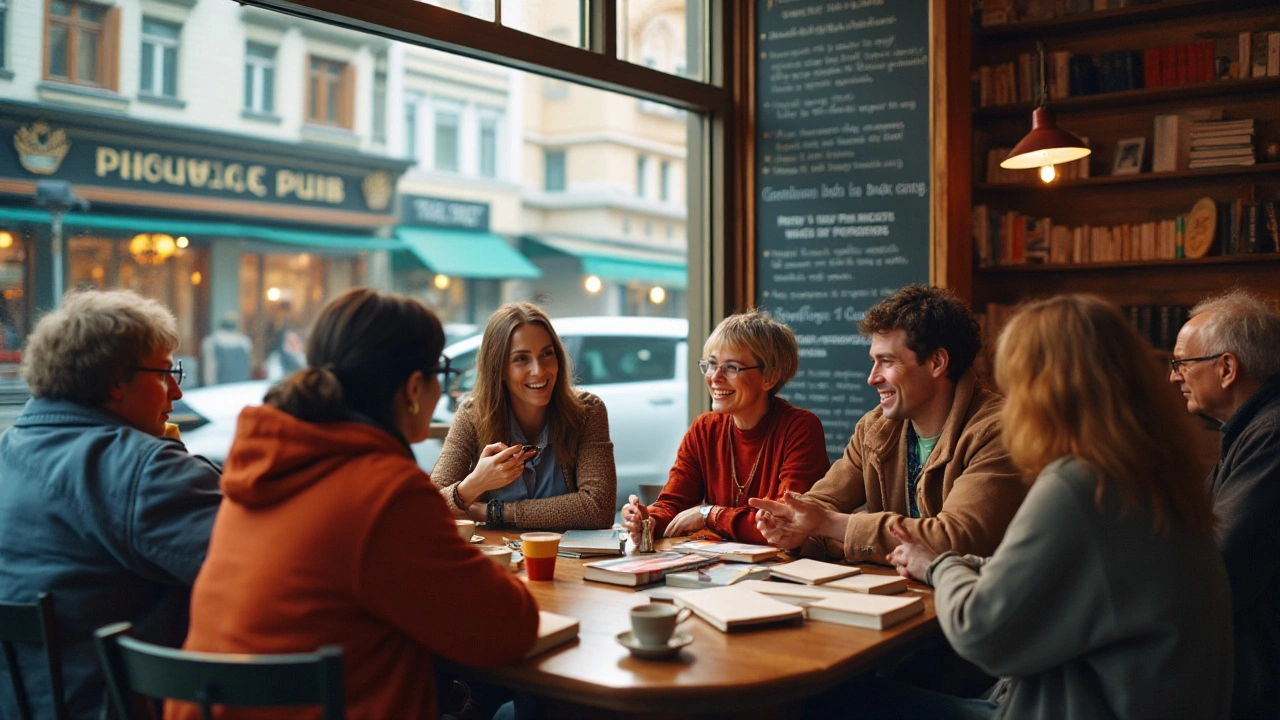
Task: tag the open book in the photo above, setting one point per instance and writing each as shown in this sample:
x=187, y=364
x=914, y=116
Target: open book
x=718, y=575
x=812, y=572
x=553, y=630
x=731, y=608
x=731, y=551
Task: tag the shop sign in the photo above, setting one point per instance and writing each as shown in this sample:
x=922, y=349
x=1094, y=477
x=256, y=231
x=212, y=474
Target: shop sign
x=436, y=212
x=40, y=148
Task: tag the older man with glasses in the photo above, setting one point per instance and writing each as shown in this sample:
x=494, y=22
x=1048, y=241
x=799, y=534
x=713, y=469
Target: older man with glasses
x=1226, y=362
x=98, y=506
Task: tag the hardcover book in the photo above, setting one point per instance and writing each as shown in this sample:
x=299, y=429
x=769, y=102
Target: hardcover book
x=812, y=572
x=592, y=543
x=638, y=570
x=731, y=551
x=731, y=608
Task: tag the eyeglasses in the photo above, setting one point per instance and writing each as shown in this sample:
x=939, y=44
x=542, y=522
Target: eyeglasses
x=444, y=369
x=709, y=368
x=176, y=371
x=1175, y=364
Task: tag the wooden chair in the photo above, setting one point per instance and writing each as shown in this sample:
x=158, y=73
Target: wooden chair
x=136, y=668
x=32, y=622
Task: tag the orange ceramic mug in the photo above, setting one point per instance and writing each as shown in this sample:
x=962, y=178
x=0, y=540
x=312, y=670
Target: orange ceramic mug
x=540, y=550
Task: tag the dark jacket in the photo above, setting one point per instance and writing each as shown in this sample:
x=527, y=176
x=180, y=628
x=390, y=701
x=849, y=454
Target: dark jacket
x=1245, y=490
x=111, y=521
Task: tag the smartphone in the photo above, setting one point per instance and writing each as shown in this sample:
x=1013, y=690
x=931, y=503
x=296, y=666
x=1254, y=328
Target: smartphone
x=528, y=448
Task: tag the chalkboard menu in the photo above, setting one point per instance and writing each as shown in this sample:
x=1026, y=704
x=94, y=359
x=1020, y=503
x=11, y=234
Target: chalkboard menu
x=842, y=176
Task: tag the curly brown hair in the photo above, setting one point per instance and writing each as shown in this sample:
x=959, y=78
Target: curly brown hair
x=932, y=318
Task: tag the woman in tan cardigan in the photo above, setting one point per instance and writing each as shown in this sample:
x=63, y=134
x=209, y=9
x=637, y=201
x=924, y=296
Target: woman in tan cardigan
x=527, y=449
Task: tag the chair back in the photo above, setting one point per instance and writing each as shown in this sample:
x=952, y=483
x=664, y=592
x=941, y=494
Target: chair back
x=32, y=623
x=135, y=668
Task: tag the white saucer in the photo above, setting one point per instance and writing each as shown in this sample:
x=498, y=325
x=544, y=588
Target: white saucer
x=654, y=652
x=477, y=538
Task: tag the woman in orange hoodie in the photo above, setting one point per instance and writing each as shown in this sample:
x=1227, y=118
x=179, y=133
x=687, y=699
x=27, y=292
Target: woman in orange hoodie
x=329, y=532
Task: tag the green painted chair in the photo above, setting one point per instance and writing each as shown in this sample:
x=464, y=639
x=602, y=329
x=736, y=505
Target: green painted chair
x=135, y=668
x=32, y=622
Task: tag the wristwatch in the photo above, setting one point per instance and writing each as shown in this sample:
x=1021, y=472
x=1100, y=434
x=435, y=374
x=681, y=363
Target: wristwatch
x=706, y=510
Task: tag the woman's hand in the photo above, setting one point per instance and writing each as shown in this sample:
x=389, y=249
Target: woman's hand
x=911, y=558
x=633, y=516
x=687, y=522
x=498, y=467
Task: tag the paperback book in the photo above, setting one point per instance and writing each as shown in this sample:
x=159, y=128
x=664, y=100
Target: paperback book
x=867, y=611
x=553, y=630
x=640, y=570
x=730, y=551
x=812, y=572
x=732, y=608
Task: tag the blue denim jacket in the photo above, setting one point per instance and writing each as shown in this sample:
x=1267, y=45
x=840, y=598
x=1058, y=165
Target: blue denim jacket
x=111, y=521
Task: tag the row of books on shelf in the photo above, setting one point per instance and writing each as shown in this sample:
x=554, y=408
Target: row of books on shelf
x=993, y=13
x=1011, y=238
x=1067, y=74
x=1157, y=324
x=1190, y=140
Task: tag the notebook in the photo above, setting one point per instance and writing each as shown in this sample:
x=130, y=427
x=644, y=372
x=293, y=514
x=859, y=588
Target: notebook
x=731, y=551
x=812, y=572
x=867, y=611
x=553, y=630
x=732, y=608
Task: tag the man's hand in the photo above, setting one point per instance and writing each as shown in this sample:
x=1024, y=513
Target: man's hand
x=687, y=522
x=786, y=525
x=912, y=557
x=633, y=516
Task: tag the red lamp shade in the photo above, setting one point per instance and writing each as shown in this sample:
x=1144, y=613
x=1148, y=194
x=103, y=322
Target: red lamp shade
x=1046, y=144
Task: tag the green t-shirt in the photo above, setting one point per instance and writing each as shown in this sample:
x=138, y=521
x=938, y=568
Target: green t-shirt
x=924, y=447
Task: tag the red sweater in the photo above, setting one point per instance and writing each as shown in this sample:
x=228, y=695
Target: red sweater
x=330, y=534
x=793, y=456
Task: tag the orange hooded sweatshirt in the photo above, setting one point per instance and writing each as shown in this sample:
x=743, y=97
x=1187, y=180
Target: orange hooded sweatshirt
x=330, y=534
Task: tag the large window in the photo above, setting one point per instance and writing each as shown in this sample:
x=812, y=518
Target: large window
x=553, y=172
x=159, y=74
x=489, y=146
x=446, y=141
x=330, y=93
x=411, y=128
x=80, y=42
x=380, y=107
x=260, y=78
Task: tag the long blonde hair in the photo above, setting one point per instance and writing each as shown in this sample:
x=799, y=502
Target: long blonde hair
x=1079, y=381
x=566, y=415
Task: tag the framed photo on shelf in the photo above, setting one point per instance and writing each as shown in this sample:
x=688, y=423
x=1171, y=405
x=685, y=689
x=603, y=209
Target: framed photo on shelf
x=1128, y=156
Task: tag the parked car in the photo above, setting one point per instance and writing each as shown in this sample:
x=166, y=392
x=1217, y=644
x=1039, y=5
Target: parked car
x=637, y=366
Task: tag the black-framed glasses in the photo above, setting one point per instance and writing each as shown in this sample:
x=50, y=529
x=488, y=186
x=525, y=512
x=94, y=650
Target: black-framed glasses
x=176, y=371
x=1175, y=364
x=444, y=369
x=730, y=370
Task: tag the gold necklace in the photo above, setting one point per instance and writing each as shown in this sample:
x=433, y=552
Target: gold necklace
x=741, y=488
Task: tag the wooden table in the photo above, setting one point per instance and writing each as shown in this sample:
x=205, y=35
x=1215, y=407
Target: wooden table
x=762, y=672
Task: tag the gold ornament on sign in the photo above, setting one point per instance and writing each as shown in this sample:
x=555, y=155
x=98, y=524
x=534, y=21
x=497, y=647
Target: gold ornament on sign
x=40, y=147
x=378, y=189
x=152, y=248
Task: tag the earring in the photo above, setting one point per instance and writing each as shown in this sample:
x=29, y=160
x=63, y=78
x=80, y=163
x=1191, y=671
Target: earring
x=413, y=409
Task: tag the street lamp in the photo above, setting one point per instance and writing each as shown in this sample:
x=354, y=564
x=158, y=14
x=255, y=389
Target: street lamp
x=58, y=197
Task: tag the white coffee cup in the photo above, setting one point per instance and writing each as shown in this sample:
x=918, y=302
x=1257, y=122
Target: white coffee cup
x=498, y=554
x=466, y=528
x=653, y=624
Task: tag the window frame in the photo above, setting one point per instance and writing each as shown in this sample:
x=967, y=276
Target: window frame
x=456, y=112
x=259, y=67
x=106, y=75
x=344, y=90
x=563, y=177
x=494, y=121
x=155, y=46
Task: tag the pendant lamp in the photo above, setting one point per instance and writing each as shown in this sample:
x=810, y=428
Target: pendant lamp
x=1046, y=145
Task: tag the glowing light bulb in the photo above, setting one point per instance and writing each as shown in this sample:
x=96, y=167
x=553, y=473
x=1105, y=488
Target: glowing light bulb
x=274, y=294
x=1047, y=173
x=593, y=284
x=441, y=282
x=657, y=295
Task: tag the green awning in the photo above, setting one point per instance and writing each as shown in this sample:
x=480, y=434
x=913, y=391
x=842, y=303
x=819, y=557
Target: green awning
x=466, y=254
x=300, y=238
x=617, y=263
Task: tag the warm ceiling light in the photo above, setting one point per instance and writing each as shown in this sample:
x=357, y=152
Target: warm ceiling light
x=152, y=248
x=183, y=242
x=441, y=282
x=6, y=239
x=657, y=295
x=592, y=284
x=273, y=294
x=1046, y=145
x=196, y=278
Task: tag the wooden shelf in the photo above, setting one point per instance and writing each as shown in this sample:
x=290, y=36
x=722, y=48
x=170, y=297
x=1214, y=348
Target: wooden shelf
x=1261, y=258
x=1243, y=172
x=1110, y=19
x=1130, y=98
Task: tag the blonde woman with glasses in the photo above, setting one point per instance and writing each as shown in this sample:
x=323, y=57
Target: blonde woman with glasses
x=752, y=444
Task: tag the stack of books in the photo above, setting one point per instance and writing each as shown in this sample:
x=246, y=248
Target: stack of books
x=1221, y=143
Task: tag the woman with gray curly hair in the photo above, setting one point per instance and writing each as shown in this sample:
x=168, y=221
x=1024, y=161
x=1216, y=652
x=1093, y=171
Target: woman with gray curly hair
x=98, y=507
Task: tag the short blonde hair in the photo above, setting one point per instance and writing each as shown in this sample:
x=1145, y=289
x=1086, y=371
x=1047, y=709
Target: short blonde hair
x=773, y=344
x=94, y=340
